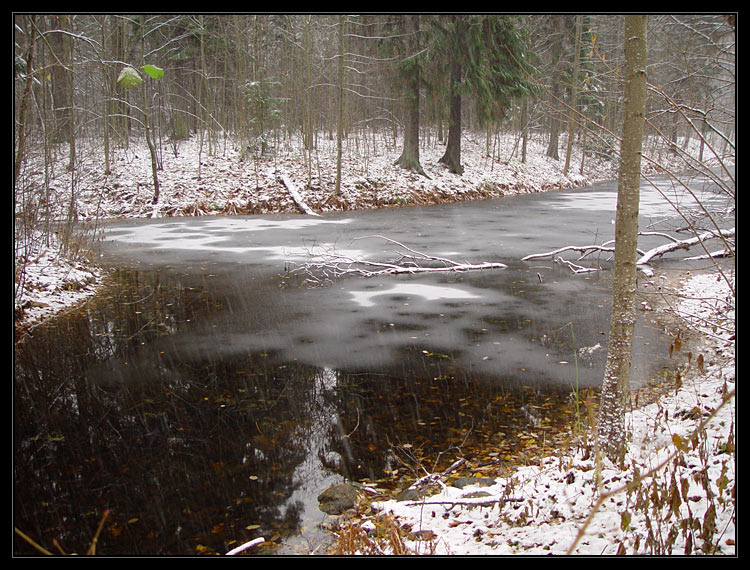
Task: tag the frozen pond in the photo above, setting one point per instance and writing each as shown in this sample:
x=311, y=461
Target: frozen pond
x=493, y=322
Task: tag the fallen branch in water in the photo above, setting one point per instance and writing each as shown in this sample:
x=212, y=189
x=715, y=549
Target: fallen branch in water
x=584, y=249
x=645, y=256
x=245, y=546
x=327, y=264
x=683, y=244
x=433, y=477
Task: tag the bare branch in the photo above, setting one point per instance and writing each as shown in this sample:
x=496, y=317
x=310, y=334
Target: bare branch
x=683, y=244
x=327, y=264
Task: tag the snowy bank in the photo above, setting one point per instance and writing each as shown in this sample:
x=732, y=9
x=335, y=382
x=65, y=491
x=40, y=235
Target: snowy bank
x=49, y=283
x=676, y=494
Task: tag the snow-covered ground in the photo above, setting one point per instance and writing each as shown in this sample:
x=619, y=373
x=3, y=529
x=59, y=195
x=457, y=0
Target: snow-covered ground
x=676, y=494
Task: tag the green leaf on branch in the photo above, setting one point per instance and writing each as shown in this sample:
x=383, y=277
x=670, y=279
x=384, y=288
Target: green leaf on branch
x=129, y=78
x=153, y=72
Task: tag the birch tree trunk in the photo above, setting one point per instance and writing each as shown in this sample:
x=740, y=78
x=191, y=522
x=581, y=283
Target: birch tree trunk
x=611, y=428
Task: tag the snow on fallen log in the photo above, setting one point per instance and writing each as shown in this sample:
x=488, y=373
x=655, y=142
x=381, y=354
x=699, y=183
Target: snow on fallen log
x=682, y=244
x=327, y=264
x=645, y=257
x=584, y=249
x=245, y=546
x=292, y=189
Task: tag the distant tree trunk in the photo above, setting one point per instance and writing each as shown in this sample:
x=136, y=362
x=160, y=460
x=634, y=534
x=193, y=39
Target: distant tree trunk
x=340, y=126
x=60, y=44
x=611, y=428
x=409, y=158
x=307, y=116
x=106, y=95
x=554, y=127
x=201, y=98
x=151, y=149
x=452, y=156
x=524, y=128
x=573, y=95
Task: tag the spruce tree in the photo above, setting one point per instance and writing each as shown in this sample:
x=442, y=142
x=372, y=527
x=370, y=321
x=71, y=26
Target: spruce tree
x=485, y=57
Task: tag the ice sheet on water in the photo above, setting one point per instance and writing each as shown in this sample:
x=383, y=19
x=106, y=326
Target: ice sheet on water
x=215, y=233
x=427, y=292
x=657, y=198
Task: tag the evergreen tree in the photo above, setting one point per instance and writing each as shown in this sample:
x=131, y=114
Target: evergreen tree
x=485, y=57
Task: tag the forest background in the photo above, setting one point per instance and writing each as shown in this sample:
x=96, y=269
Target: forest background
x=348, y=109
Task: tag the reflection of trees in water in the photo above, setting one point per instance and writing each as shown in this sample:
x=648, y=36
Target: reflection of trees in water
x=189, y=452
x=437, y=415
x=192, y=451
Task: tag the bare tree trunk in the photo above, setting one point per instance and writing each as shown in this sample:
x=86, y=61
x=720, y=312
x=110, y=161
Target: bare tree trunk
x=60, y=44
x=106, y=96
x=452, y=156
x=150, y=143
x=524, y=128
x=611, y=428
x=573, y=95
x=307, y=116
x=552, y=148
x=21, y=137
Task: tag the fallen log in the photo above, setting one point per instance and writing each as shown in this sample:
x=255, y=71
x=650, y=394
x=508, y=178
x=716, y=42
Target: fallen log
x=245, y=546
x=645, y=257
x=583, y=249
x=292, y=189
x=327, y=264
x=682, y=244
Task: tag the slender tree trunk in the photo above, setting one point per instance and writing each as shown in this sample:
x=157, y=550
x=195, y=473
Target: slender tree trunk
x=147, y=128
x=340, y=126
x=62, y=105
x=307, y=112
x=106, y=95
x=21, y=137
x=552, y=148
x=573, y=95
x=199, y=99
x=150, y=143
x=611, y=428
x=524, y=127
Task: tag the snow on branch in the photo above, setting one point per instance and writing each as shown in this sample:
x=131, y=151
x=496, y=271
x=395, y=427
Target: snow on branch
x=326, y=263
x=683, y=244
x=292, y=189
x=645, y=256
